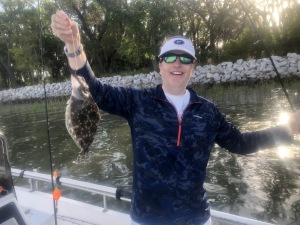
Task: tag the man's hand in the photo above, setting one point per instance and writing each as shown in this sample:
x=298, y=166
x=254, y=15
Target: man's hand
x=66, y=30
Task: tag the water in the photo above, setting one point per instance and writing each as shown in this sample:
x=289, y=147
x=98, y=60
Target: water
x=263, y=186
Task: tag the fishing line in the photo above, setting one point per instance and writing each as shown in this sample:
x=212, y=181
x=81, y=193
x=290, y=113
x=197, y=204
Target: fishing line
x=46, y=107
x=268, y=54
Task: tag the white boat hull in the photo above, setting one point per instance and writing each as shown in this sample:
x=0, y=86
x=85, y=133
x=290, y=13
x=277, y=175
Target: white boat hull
x=39, y=209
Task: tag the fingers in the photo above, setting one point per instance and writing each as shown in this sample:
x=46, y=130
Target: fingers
x=60, y=23
x=63, y=27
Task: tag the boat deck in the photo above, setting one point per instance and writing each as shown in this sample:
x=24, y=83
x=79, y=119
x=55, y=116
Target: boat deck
x=38, y=207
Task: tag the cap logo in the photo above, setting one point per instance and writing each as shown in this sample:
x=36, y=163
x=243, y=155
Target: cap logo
x=179, y=42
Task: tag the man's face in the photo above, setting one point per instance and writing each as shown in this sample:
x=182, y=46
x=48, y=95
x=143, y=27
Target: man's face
x=176, y=75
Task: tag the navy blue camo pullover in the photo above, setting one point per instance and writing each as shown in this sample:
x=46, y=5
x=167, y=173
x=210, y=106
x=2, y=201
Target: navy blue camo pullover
x=170, y=155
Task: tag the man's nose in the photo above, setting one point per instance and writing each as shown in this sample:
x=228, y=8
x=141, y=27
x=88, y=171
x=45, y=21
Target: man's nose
x=177, y=62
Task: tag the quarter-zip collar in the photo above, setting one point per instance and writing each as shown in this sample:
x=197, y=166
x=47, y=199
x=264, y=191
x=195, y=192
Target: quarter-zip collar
x=160, y=95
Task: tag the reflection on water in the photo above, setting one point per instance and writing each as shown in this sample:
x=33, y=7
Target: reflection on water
x=264, y=185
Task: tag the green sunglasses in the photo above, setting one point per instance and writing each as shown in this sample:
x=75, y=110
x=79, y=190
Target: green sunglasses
x=183, y=58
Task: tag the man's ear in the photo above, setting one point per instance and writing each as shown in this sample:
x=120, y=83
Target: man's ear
x=159, y=65
x=158, y=59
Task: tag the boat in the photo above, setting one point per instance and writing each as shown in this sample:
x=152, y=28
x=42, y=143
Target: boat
x=31, y=206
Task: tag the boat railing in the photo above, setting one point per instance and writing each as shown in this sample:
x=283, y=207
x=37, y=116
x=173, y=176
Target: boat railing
x=111, y=192
x=34, y=176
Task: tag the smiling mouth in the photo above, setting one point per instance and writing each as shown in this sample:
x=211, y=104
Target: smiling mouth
x=176, y=73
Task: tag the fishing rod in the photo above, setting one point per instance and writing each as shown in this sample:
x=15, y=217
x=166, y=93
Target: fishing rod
x=268, y=54
x=46, y=108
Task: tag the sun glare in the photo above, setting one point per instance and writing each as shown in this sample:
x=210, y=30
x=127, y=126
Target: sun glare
x=283, y=118
x=283, y=152
x=274, y=11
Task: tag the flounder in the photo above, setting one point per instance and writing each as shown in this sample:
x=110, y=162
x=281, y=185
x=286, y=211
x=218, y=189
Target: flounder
x=82, y=115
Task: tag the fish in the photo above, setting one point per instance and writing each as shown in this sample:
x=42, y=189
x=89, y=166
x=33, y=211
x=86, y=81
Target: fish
x=82, y=115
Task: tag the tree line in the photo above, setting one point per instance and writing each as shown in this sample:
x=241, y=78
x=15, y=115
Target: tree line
x=122, y=36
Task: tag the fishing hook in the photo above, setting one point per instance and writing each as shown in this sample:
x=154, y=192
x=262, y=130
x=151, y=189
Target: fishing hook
x=268, y=54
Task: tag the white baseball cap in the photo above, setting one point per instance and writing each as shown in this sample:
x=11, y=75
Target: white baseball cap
x=178, y=43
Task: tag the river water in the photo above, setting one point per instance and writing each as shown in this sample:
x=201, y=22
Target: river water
x=263, y=186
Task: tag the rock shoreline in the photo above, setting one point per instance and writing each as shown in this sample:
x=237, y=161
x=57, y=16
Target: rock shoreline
x=226, y=72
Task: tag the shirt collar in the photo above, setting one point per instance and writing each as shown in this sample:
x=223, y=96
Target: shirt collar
x=161, y=95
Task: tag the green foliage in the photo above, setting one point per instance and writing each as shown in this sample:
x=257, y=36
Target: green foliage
x=145, y=31
x=279, y=40
x=17, y=41
x=121, y=35
x=247, y=46
x=290, y=41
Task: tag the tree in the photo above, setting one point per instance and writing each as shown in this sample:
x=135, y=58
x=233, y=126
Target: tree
x=102, y=24
x=279, y=34
x=51, y=57
x=290, y=41
x=147, y=24
x=121, y=35
x=219, y=21
x=11, y=27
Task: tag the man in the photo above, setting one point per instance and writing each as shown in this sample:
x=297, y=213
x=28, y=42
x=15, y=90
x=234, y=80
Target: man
x=173, y=131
